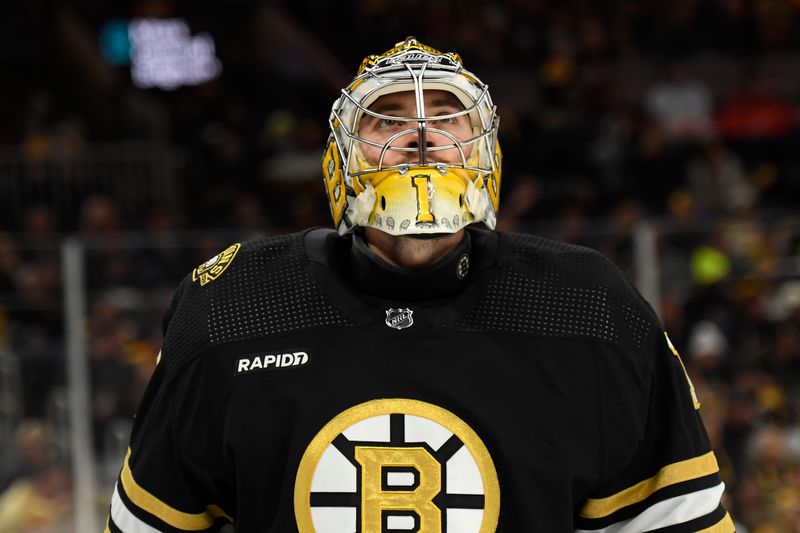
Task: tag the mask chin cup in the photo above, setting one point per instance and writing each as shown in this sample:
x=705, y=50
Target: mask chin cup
x=419, y=201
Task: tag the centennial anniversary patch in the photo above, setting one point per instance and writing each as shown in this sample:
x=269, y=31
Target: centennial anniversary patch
x=214, y=267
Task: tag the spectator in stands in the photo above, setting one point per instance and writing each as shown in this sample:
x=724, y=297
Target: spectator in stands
x=40, y=502
x=707, y=348
x=756, y=113
x=783, y=361
x=653, y=170
x=521, y=204
x=102, y=226
x=769, y=499
x=718, y=181
x=9, y=263
x=35, y=495
x=29, y=452
x=731, y=27
x=760, y=124
x=100, y=219
x=680, y=106
x=40, y=225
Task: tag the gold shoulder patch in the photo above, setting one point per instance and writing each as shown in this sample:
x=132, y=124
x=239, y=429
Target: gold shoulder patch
x=214, y=267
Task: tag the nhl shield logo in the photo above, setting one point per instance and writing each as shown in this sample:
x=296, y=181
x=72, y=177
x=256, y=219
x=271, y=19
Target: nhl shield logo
x=399, y=318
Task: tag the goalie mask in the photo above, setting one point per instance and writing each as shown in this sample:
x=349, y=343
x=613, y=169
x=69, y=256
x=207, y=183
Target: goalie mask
x=413, y=146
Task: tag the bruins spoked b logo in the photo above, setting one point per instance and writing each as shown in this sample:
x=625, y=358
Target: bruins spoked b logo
x=396, y=465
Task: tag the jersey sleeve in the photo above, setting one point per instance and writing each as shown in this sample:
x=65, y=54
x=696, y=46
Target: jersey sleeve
x=170, y=477
x=671, y=481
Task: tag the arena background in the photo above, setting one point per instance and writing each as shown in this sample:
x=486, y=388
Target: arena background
x=140, y=138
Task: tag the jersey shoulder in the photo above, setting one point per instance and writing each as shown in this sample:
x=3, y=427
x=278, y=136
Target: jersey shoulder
x=248, y=290
x=566, y=264
x=555, y=289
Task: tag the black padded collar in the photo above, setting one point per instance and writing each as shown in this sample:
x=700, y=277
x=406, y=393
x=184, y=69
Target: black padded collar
x=370, y=274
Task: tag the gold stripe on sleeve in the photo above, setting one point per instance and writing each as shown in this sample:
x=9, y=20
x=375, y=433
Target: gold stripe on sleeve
x=178, y=519
x=693, y=468
x=723, y=526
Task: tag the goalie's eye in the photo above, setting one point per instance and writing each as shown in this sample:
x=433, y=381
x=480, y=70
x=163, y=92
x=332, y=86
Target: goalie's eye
x=389, y=123
x=442, y=121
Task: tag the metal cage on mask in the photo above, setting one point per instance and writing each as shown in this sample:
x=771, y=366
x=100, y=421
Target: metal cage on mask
x=421, y=196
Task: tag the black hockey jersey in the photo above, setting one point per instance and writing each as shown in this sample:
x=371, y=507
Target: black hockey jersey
x=540, y=395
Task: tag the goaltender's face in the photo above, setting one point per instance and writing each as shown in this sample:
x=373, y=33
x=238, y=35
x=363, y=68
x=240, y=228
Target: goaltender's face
x=403, y=104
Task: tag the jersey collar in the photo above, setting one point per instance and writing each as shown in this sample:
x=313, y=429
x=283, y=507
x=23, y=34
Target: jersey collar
x=372, y=275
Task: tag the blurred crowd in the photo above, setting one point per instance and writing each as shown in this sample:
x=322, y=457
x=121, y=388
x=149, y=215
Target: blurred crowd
x=681, y=114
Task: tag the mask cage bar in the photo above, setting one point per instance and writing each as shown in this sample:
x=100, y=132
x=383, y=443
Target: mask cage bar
x=488, y=125
x=468, y=110
x=386, y=146
x=422, y=143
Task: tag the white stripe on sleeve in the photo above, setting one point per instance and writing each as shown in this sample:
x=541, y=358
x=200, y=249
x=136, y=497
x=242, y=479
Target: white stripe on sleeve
x=124, y=519
x=669, y=512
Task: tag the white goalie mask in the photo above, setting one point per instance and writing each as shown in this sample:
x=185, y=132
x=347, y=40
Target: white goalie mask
x=421, y=177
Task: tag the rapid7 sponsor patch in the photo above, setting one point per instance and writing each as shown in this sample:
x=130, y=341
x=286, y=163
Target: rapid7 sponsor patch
x=272, y=361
